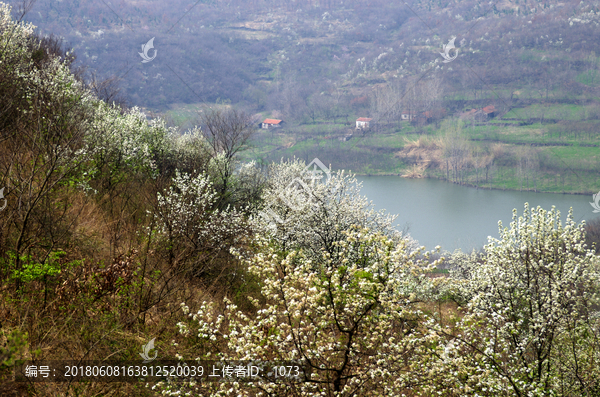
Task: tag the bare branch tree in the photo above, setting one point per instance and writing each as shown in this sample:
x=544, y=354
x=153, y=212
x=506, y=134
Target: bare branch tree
x=107, y=90
x=24, y=8
x=228, y=133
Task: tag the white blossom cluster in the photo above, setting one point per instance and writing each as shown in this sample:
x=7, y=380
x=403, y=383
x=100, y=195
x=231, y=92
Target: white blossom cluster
x=56, y=79
x=322, y=210
x=129, y=136
x=531, y=328
x=585, y=18
x=50, y=87
x=356, y=312
x=187, y=209
x=14, y=39
x=352, y=317
x=108, y=134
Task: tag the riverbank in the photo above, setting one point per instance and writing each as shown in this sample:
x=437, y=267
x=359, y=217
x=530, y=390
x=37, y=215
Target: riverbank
x=502, y=164
x=472, y=185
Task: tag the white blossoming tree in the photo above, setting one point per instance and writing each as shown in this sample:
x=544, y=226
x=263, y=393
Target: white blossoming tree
x=354, y=322
x=42, y=127
x=532, y=326
x=300, y=212
x=124, y=142
x=193, y=229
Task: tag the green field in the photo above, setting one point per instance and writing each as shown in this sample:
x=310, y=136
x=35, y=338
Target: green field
x=560, y=156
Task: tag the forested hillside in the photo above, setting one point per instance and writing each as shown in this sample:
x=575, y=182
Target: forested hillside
x=279, y=55
x=319, y=65
x=124, y=237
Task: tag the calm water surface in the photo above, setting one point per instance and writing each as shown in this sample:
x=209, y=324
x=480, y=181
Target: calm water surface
x=442, y=213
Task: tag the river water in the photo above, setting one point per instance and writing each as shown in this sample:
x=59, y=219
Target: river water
x=442, y=213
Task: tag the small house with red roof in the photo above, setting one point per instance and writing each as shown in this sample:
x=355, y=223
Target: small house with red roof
x=408, y=115
x=489, y=111
x=363, y=123
x=271, y=123
x=482, y=114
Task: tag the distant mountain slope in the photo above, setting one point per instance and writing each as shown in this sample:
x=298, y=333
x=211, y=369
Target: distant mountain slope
x=281, y=54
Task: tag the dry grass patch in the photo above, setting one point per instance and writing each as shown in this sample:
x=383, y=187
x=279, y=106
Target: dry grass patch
x=423, y=153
